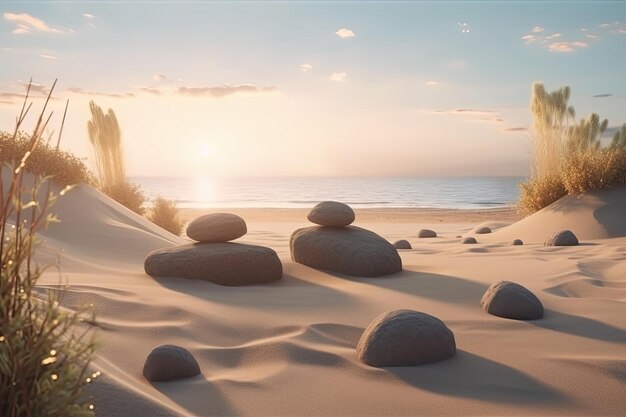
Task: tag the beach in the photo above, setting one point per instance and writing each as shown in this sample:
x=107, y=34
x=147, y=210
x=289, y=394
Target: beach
x=288, y=347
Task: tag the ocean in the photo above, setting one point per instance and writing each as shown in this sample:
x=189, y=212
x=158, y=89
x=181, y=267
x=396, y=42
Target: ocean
x=358, y=192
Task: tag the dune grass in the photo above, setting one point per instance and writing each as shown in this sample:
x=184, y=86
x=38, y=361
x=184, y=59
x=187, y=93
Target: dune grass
x=568, y=157
x=44, y=356
x=106, y=139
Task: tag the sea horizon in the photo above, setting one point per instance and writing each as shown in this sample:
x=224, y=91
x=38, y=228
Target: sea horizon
x=359, y=192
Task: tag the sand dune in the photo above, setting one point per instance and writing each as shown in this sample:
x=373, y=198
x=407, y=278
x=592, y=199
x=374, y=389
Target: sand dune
x=596, y=215
x=288, y=347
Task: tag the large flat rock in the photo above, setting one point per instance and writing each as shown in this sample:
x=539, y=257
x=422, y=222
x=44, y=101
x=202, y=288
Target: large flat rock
x=221, y=263
x=348, y=250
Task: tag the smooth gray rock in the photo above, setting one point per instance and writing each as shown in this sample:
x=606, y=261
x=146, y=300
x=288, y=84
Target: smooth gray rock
x=402, y=244
x=517, y=242
x=468, y=240
x=562, y=238
x=348, y=250
x=331, y=213
x=229, y=264
x=426, y=233
x=168, y=362
x=482, y=230
x=405, y=338
x=216, y=228
x=512, y=301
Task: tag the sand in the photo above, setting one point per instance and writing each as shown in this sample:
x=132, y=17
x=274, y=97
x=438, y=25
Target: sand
x=288, y=348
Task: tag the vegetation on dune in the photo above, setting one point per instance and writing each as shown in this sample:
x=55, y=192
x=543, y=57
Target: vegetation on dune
x=106, y=140
x=44, y=356
x=165, y=214
x=44, y=160
x=568, y=157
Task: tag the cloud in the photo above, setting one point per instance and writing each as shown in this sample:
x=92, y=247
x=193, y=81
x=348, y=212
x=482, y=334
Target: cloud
x=306, y=67
x=154, y=91
x=223, y=90
x=616, y=28
x=345, y=33
x=338, y=76
x=516, y=129
x=6, y=102
x=46, y=56
x=26, y=23
x=431, y=83
x=159, y=77
x=566, y=46
x=89, y=16
x=467, y=111
x=475, y=115
x=602, y=95
x=36, y=88
x=553, y=42
x=77, y=90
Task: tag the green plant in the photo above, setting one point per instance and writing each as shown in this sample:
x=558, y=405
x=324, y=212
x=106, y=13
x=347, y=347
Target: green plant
x=165, y=214
x=43, y=356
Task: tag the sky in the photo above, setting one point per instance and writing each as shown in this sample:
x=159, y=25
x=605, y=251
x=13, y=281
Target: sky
x=427, y=89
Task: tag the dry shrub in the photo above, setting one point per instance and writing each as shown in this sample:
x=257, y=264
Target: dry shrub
x=165, y=215
x=537, y=193
x=593, y=169
x=127, y=194
x=45, y=160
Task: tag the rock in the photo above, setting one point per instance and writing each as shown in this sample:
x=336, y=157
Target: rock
x=229, y=264
x=562, y=238
x=331, y=213
x=169, y=362
x=348, y=250
x=469, y=240
x=402, y=244
x=216, y=228
x=517, y=242
x=510, y=300
x=405, y=338
x=482, y=230
x=426, y=233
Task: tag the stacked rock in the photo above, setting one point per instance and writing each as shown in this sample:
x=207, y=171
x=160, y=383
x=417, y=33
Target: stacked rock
x=336, y=246
x=213, y=258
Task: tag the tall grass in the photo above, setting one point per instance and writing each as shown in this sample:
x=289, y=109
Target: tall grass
x=43, y=357
x=105, y=137
x=568, y=157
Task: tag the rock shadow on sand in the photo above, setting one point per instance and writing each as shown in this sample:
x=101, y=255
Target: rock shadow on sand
x=438, y=287
x=277, y=294
x=580, y=326
x=471, y=376
x=197, y=395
